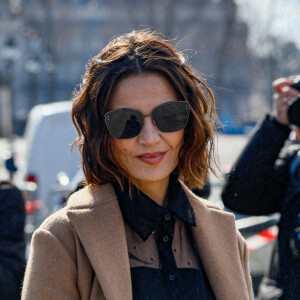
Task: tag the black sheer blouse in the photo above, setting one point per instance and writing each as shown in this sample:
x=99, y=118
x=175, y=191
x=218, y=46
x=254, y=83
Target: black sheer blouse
x=163, y=257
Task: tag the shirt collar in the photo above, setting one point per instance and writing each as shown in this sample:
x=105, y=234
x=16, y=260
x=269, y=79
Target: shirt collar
x=143, y=214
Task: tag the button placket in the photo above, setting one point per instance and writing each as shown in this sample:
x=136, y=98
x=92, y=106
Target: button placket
x=167, y=217
x=166, y=238
x=172, y=277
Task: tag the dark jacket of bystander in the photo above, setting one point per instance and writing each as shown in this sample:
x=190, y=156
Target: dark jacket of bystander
x=12, y=241
x=264, y=180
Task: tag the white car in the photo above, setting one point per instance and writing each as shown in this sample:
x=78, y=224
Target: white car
x=48, y=137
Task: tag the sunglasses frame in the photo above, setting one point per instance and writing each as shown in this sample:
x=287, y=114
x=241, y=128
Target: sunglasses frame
x=107, y=115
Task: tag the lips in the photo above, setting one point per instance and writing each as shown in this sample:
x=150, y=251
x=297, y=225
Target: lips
x=152, y=158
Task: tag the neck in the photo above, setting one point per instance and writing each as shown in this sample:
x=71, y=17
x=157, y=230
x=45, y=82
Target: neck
x=157, y=191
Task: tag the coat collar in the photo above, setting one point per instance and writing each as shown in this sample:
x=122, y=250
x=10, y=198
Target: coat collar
x=96, y=217
x=143, y=214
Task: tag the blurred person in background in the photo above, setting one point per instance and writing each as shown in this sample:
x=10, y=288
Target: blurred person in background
x=266, y=179
x=136, y=231
x=12, y=241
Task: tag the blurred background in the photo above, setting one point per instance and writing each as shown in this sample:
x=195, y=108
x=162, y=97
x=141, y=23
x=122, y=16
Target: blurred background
x=239, y=46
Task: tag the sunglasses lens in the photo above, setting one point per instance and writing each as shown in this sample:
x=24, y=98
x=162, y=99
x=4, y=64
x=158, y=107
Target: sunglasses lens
x=124, y=123
x=128, y=123
x=172, y=116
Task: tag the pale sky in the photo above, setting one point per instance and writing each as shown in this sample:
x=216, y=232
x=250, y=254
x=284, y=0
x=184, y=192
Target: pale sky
x=280, y=18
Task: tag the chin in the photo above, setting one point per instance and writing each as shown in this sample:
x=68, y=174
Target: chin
x=151, y=177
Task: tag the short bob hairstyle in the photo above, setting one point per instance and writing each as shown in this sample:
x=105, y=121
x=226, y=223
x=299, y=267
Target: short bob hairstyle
x=136, y=53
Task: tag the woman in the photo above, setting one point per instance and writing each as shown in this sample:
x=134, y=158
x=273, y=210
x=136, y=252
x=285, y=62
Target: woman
x=136, y=231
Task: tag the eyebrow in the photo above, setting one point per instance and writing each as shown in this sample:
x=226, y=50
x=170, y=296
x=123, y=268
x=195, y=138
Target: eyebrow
x=129, y=108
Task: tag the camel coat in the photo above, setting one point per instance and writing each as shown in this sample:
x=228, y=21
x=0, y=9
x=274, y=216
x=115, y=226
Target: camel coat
x=80, y=252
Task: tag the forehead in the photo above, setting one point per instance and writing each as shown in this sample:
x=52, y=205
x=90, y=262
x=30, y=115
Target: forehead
x=142, y=91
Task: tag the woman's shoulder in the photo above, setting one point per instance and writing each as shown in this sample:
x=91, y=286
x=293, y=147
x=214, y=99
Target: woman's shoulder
x=217, y=212
x=213, y=208
x=206, y=208
x=209, y=204
x=86, y=198
x=198, y=200
x=91, y=196
x=57, y=224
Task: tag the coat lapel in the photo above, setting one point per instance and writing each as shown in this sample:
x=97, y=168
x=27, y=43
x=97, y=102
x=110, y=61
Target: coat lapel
x=100, y=227
x=216, y=238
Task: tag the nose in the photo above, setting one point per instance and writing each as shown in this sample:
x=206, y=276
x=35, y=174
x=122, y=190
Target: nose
x=150, y=133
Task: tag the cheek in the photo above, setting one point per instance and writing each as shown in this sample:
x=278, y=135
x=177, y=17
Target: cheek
x=177, y=139
x=121, y=150
x=118, y=148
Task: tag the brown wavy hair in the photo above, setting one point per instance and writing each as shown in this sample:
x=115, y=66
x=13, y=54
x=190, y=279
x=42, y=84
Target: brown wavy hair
x=136, y=53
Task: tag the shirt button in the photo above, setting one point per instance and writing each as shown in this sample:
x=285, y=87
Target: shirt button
x=172, y=277
x=165, y=238
x=167, y=217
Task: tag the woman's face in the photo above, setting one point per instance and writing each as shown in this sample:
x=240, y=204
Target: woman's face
x=151, y=156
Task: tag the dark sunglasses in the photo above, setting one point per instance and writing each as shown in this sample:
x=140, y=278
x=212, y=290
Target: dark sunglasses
x=127, y=123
